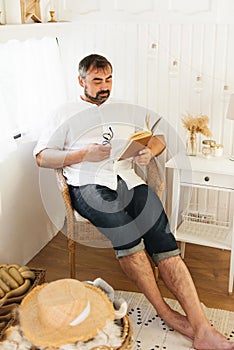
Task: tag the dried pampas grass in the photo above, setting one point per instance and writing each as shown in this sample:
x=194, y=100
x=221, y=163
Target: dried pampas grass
x=198, y=124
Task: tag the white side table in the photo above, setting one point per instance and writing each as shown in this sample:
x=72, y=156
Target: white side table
x=216, y=173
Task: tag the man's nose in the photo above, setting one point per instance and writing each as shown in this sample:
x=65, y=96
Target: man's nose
x=104, y=86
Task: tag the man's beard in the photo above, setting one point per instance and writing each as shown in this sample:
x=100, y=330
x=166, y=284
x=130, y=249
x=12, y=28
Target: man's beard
x=97, y=98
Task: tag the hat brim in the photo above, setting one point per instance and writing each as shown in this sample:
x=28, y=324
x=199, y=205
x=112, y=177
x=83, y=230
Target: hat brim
x=101, y=311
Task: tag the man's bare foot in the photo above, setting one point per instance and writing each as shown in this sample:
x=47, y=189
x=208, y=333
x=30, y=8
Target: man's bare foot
x=179, y=323
x=210, y=339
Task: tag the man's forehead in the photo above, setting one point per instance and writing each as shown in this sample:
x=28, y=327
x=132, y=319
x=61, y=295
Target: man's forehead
x=99, y=71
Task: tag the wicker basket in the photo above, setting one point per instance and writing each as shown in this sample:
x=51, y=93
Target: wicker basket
x=12, y=303
x=125, y=323
x=127, y=334
x=127, y=338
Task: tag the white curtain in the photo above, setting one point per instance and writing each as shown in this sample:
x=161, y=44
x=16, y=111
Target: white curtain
x=31, y=86
x=7, y=142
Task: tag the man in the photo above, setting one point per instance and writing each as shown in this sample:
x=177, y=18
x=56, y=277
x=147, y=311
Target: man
x=118, y=202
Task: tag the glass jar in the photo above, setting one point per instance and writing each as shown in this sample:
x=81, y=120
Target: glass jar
x=218, y=150
x=207, y=148
x=206, y=151
x=191, y=144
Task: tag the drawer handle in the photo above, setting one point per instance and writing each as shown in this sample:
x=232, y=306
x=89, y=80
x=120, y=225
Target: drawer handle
x=207, y=178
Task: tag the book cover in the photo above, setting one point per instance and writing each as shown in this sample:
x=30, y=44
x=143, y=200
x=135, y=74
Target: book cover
x=138, y=140
x=136, y=143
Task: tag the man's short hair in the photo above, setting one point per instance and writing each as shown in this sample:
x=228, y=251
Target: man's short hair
x=94, y=61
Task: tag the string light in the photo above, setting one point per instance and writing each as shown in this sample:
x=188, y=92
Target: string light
x=1, y=18
x=198, y=86
x=226, y=93
x=174, y=69
x=153, y=50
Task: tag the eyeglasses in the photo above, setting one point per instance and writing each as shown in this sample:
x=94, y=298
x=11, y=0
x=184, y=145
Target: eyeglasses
x=108, y=136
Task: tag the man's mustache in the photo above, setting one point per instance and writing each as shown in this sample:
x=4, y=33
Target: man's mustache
x=103, y=92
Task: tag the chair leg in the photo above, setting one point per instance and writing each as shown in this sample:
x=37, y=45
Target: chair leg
x=156, y=273
x=72, y=260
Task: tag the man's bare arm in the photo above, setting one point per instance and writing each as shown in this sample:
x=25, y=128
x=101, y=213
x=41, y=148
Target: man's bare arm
x=54, y=158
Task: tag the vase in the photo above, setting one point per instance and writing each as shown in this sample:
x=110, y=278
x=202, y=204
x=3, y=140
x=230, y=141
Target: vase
x=191, y=144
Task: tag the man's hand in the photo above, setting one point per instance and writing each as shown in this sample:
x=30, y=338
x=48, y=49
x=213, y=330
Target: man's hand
x=143, y=157
x=95, y=152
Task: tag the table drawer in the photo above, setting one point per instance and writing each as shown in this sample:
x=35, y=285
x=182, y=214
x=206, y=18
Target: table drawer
x=207, y=179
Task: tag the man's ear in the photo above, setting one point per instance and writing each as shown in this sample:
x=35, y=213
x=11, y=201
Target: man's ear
x=81, y=81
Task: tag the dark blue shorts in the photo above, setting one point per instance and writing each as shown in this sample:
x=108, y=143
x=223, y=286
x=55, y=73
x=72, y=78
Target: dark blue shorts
x=132, y=219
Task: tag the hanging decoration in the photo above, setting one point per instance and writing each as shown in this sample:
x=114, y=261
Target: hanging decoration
x=174, y=69
x=1, y=23
x=153, y=49
x=226, y=93
x=198, y=85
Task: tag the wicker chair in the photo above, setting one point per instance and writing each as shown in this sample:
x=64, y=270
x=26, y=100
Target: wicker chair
x=80, y=229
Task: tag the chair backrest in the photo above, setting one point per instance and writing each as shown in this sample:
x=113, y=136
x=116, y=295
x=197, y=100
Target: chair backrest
x=154, y=177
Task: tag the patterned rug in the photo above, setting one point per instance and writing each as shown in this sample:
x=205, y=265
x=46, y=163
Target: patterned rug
x=151, y=333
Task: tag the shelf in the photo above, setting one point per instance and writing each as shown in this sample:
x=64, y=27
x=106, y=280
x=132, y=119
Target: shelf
x=27, y=26
x=33, y=30
x=204, y=234
x=207, y=228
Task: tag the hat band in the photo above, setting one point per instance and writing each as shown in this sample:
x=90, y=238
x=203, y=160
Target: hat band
x=84, y=314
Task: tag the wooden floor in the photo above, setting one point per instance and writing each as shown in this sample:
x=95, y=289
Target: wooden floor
x=209, y=268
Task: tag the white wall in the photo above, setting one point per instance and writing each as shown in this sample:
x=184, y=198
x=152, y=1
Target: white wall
x=25, y=223
x=199, y=35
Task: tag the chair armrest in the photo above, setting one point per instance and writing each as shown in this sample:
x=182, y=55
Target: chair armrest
x=63, y=187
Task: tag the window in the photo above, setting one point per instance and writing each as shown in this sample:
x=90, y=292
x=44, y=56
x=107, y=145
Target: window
x=31, y=86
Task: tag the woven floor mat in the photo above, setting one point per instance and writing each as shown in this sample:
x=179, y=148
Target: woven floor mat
x=151, y=333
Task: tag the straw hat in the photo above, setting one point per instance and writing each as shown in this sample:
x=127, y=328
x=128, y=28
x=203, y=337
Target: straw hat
x=64, y=311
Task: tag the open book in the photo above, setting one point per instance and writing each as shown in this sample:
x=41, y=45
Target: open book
x=138, y=141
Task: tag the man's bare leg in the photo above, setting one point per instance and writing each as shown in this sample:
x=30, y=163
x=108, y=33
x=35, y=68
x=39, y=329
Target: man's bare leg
x=177, y=278
x=138, y=268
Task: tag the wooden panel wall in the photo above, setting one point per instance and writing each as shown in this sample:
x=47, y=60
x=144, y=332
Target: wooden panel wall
x=143, y=74
x=142, y=39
